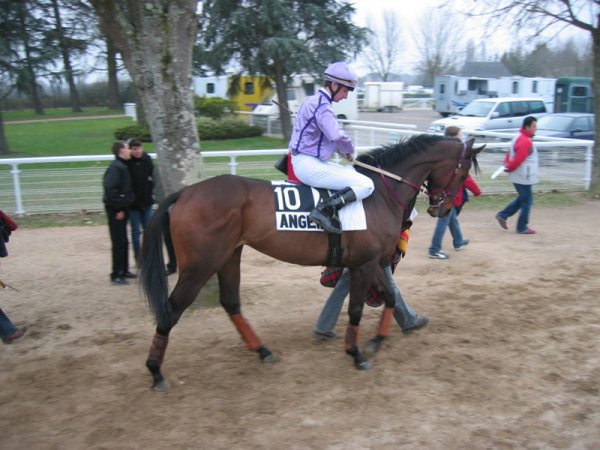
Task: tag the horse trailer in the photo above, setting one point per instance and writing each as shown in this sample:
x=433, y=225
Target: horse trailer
x=574, y=94
x=453, y=92
x=246, y=91
x=386, y=96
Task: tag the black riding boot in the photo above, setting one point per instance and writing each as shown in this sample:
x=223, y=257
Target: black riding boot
x=325, y=214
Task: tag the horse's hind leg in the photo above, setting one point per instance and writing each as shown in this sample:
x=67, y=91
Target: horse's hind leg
x=229, y=291
x=183, y=295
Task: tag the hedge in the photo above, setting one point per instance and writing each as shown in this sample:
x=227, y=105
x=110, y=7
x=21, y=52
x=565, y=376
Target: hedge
x=208, y=129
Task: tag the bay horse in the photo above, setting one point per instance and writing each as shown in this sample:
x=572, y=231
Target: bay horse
x=211, y=221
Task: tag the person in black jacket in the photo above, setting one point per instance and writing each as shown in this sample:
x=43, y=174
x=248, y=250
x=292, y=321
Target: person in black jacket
x=118, y=196
x=140, y=212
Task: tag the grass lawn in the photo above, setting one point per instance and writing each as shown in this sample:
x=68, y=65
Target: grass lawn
x=54, y=113
x=95, y=137
x=63, y=138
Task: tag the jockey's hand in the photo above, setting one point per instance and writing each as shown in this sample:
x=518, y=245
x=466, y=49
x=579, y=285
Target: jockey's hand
x=348, y=156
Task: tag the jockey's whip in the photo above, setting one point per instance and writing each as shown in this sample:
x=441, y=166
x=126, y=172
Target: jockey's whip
x=281, y=106
x=355, y=162
x=377, y=169
x=4, y=285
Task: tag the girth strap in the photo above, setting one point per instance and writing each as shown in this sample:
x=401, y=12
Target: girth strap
x=335, y=252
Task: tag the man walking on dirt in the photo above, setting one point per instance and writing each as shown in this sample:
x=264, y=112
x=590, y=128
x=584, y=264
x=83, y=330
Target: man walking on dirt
x=522, y=165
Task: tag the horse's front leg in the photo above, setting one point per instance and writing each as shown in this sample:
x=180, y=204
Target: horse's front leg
x=383, y=330
x=360, y=279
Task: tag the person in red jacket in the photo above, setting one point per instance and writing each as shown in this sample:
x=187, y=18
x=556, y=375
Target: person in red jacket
x=8, y=331
x=451, y=219
x=522, y=165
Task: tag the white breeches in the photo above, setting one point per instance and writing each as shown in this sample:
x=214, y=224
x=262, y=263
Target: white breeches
x=329, y=175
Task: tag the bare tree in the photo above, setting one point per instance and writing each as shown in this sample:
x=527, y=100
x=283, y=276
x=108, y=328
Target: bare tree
x=544, y=19
x=440, y=42
x=155, y=39
x=384, y=49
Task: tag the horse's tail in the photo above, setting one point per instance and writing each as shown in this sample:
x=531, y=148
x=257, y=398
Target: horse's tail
x=153, y=276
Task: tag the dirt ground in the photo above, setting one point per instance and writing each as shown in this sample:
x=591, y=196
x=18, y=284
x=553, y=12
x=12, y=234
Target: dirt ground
x=509, y=361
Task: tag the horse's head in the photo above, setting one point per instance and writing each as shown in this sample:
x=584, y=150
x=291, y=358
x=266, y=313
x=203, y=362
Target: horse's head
x=441, y=163
x=448, y=175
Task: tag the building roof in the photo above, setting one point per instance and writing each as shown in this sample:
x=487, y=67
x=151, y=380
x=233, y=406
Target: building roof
x=484, y=70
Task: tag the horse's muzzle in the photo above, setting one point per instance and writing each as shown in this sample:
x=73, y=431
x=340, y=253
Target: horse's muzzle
x=438, y=211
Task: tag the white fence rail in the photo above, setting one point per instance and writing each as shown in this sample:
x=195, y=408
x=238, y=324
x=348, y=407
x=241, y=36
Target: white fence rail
x=418, y=103
x=74, y=183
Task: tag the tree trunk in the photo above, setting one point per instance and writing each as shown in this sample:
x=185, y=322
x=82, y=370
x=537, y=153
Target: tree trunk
x=156, y=39
x=30, y=81
x=595, y=182
x=284, y=111
x=34, y=92
x=114, y=101
x=64, y=50
x=4, y=150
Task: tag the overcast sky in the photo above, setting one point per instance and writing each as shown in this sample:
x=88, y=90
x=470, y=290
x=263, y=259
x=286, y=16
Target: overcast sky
x=410, y=13
x=496, y=42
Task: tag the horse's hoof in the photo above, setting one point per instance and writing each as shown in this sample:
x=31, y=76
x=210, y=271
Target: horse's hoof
x=270, y=359
x=372, y=347
x=363, y=365
x=161, y=387
x=267, y=356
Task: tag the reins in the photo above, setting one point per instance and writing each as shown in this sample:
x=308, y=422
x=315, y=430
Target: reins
x=378, y=170
x=384, y=174
x=425, y=190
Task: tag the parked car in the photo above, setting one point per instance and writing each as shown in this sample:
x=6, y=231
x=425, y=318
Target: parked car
x=506, y=113
x=566, y=125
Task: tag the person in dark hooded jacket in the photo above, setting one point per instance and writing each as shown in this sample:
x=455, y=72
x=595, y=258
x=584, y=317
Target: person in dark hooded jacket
x=140, y=212
x=118, y=196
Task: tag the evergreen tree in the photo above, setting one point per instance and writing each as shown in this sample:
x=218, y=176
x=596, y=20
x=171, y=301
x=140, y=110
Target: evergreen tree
x=277, y=38
x=71, y=22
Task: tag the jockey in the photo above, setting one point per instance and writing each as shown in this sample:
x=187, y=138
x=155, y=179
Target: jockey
x=315, y=137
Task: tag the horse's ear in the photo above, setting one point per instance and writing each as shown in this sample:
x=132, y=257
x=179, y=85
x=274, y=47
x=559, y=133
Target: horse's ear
x=478, y=150
x=469, y=143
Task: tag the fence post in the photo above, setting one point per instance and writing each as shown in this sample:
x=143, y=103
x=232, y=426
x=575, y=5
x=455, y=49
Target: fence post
x=232, y=165
x=589, y=156
x=355, y=140
x=17, y=186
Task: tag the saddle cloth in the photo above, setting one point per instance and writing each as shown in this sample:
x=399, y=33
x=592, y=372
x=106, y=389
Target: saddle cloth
x=293, y=203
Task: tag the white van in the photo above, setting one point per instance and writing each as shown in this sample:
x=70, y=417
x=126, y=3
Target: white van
x=502, y=113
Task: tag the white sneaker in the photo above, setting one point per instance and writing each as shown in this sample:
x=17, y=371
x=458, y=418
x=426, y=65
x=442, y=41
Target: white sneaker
x=438, y=255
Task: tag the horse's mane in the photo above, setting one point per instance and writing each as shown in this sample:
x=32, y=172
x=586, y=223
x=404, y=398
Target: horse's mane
x=388, y=155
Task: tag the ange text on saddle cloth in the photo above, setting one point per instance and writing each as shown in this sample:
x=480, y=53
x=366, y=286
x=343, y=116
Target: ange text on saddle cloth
x=294, y=202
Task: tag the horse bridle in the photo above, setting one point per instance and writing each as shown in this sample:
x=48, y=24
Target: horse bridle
x=432, y=195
